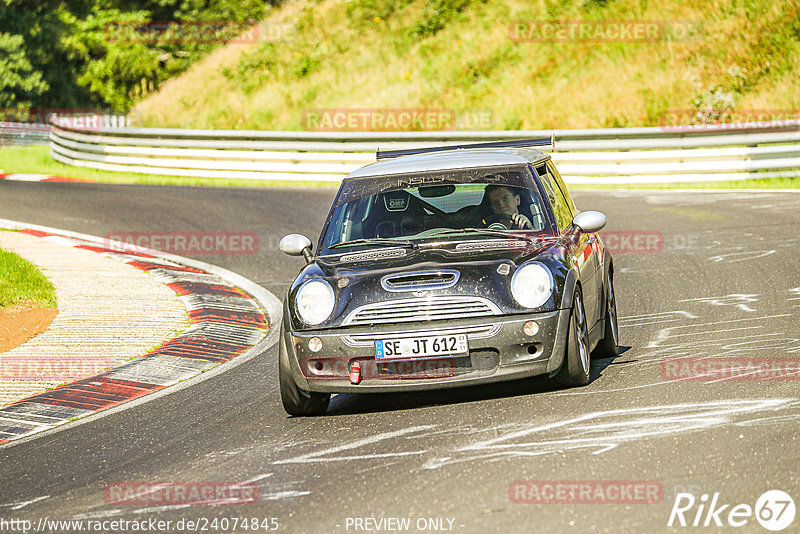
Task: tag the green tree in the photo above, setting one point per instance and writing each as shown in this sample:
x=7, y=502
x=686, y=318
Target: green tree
x=71, y=54
x=18, y=81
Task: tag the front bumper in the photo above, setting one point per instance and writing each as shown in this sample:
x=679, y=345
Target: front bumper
x=499, y=350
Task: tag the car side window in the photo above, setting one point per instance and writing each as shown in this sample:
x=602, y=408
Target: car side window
x=562, y=186
x=561, y=208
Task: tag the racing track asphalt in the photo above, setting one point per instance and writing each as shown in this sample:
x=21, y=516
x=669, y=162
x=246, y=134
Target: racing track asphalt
x=723, y=283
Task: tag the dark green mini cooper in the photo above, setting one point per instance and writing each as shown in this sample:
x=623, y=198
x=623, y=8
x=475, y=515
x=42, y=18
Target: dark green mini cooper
x=447, y=267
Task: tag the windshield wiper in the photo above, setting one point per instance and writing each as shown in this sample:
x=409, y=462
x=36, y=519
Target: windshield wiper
x=486, y=231
x=380, y=241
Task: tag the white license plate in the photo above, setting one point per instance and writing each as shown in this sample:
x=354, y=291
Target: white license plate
x=418, y=347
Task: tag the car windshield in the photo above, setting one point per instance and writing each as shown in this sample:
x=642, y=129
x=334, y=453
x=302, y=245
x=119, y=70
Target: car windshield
x=400, y=210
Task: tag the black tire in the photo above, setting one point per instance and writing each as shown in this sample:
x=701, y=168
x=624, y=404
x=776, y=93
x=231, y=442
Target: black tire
x=575, y=368
x=296, y=401
x=608, y=347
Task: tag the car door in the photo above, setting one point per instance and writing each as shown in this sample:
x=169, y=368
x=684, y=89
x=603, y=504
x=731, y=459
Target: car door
x=583, y=253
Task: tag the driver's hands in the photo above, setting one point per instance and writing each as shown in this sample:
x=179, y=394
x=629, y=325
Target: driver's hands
x=521, y=222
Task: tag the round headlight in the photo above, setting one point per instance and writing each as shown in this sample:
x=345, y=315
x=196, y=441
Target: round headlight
x=314, y=301
x=532, y=285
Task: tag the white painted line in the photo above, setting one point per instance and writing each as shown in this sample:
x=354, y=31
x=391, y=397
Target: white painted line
x=315, y=456
x=97, y=515
x=282, y=495
x=257, y=478
x=164, y=508
x=679, y=312
x=22, y=504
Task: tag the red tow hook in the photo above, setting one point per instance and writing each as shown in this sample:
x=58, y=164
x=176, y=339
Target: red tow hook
x=355, y=373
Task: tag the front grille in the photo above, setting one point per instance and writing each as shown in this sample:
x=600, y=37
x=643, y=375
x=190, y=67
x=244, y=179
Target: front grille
x=421, y=280
x=422, y=309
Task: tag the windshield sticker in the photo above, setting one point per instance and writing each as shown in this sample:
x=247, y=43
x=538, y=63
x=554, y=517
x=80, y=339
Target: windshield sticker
x=357, y=188
x=396, y=201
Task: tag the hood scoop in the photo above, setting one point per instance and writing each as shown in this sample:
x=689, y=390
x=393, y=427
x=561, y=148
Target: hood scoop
x=492, y=244
x=420, y=280
x=373, y=255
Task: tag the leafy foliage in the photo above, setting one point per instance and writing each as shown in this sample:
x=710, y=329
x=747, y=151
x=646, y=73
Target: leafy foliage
x=18, y=77
x=108, y=53
x=437, y=14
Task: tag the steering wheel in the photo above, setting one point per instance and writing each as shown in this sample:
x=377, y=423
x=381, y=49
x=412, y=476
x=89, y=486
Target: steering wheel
x=499, y=219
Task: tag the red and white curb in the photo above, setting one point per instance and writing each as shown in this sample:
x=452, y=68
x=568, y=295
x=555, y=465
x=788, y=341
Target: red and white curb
x=24, y=177
x=229, y=318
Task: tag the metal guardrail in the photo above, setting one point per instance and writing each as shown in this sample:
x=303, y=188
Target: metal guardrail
x=16, y=133
x=37, y=130
x=615, y=155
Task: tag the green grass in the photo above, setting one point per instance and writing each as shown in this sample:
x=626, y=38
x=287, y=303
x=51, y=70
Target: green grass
x=37, y=160
x=22, y=282
x=710, y=58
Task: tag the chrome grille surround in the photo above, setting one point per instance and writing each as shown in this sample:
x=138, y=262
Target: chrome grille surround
x=426, y=280
x=422, y=309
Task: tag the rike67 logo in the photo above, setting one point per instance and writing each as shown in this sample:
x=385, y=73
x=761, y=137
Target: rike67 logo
x=774, y=510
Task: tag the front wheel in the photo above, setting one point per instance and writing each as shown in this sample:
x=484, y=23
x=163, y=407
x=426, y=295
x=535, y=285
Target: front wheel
x=296, y=401
x=608, y=347
x=575, y=368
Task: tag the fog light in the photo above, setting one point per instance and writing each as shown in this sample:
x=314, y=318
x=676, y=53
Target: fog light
x=315, y=344
x=530, y=328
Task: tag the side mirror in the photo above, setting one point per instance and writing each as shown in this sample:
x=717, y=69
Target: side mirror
x=296, y=245
x=590, y=221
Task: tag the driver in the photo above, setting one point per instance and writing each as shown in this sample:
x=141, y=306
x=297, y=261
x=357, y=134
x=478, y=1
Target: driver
x=505, y=204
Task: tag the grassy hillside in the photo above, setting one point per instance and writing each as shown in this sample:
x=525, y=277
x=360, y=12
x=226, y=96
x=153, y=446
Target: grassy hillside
x=459, y=55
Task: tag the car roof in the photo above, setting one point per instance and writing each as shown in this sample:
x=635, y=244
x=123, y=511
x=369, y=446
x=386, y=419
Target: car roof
x=462, y=158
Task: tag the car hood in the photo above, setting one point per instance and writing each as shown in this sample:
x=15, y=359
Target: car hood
x=466, y=269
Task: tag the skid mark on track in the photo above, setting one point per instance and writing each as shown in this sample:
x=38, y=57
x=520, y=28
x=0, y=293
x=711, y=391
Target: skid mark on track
x=795, y=291
x=740, y=300
x=665, y=338
x=747, y=255
x=608, y=430
x=596, y=432
x=655, y=318
x=328, y=455
x=22, y=504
